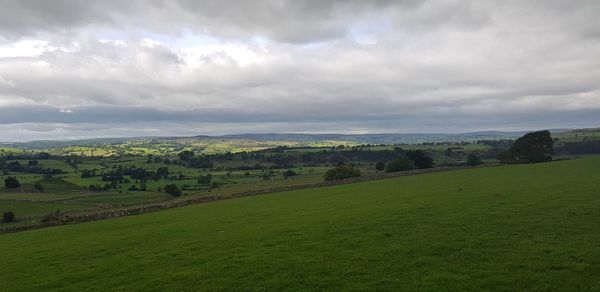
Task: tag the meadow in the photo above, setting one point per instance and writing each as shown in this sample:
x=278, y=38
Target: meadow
x=84, y=180
x=512, y=228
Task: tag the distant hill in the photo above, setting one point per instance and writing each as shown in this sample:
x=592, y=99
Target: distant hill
x=296, y=139
x=386, y=138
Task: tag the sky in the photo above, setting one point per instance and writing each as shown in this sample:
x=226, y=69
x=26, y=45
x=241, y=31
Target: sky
x=79, y=69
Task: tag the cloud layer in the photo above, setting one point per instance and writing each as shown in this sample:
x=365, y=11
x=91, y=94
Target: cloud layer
x=72, y=69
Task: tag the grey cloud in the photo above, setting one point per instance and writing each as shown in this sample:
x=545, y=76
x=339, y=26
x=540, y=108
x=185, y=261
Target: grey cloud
x=442, y=124
x=289, y=21
x=127, y=115
x=427, y=66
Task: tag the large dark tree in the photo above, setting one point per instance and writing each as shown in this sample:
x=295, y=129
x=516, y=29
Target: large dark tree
x=400, y=164
x=473, y=160
x=420, y=159
x=8, y=216
x=163, y=171
x=38, y=186
x=289, y=173
x=172, y=190
x=534, y=147
x=342, y=172
x=11, y=183
x=205, y=179
x=186, y=155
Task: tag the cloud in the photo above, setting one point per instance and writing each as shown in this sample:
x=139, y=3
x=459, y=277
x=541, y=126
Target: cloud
x=289, y=21
x=298, y=65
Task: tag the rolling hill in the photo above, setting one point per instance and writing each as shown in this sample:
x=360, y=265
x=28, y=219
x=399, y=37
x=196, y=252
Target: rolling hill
x=477, y=229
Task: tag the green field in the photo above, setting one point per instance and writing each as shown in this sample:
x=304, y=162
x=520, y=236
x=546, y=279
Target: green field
x=520, y=227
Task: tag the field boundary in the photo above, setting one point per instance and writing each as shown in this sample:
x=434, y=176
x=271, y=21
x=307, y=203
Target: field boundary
x=66, y=218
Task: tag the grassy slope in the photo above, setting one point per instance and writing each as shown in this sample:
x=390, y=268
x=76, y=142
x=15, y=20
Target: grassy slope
x=510, y=227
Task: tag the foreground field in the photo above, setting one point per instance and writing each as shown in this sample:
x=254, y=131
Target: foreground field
x=509, y=228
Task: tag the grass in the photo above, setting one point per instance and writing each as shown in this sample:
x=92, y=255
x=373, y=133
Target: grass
x=120, y=199
x=578, y=135
x=71, y=189
x=523, y=227
x=26, y=208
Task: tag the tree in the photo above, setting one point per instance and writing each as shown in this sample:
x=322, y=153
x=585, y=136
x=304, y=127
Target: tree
x=289, y=173
x=534, y=147
x=400, y=164
x=473, y=160
x=94, y=188
x=420, y=159
x=186, y=155
x=205, y=179
x=8, y=216
x=38, y=186
x=342, y=172
x=380, y=166
x=163, y=171
x=172, y=190
x=11, y=183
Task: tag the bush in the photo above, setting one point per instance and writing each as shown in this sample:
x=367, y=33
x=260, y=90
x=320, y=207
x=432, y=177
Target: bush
x=94, y=188
x=172, y=190
x=205, y=179
x=473, y=160
x=11, y=183
x=342, y=172
x=38, y=186
x=380, y=166
x=216, y=184
x=8, y=216
x=289, y=173
x=420, y=160
x=400, y=164
x=53, y=217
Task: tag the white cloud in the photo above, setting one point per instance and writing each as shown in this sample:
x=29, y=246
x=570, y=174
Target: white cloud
x=24, y=48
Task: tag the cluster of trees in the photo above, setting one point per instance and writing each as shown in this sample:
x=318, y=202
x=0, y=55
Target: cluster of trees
x=416, y=159
x=87, y=173
x=289, y=174
x=473, y=160
x=172, y=190
x=31, y=167
x=187, y=158
x=8, y=216
x=342, y=172
x=347, y=156
x=278, y=159
x=118, y=172
x=400, y=164
x=99, y=188
x=37, y=156
x=11, y=183
x=580, y=147
x=205, y=180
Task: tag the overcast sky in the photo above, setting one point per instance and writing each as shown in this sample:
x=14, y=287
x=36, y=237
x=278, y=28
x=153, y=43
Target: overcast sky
x=77, y=69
